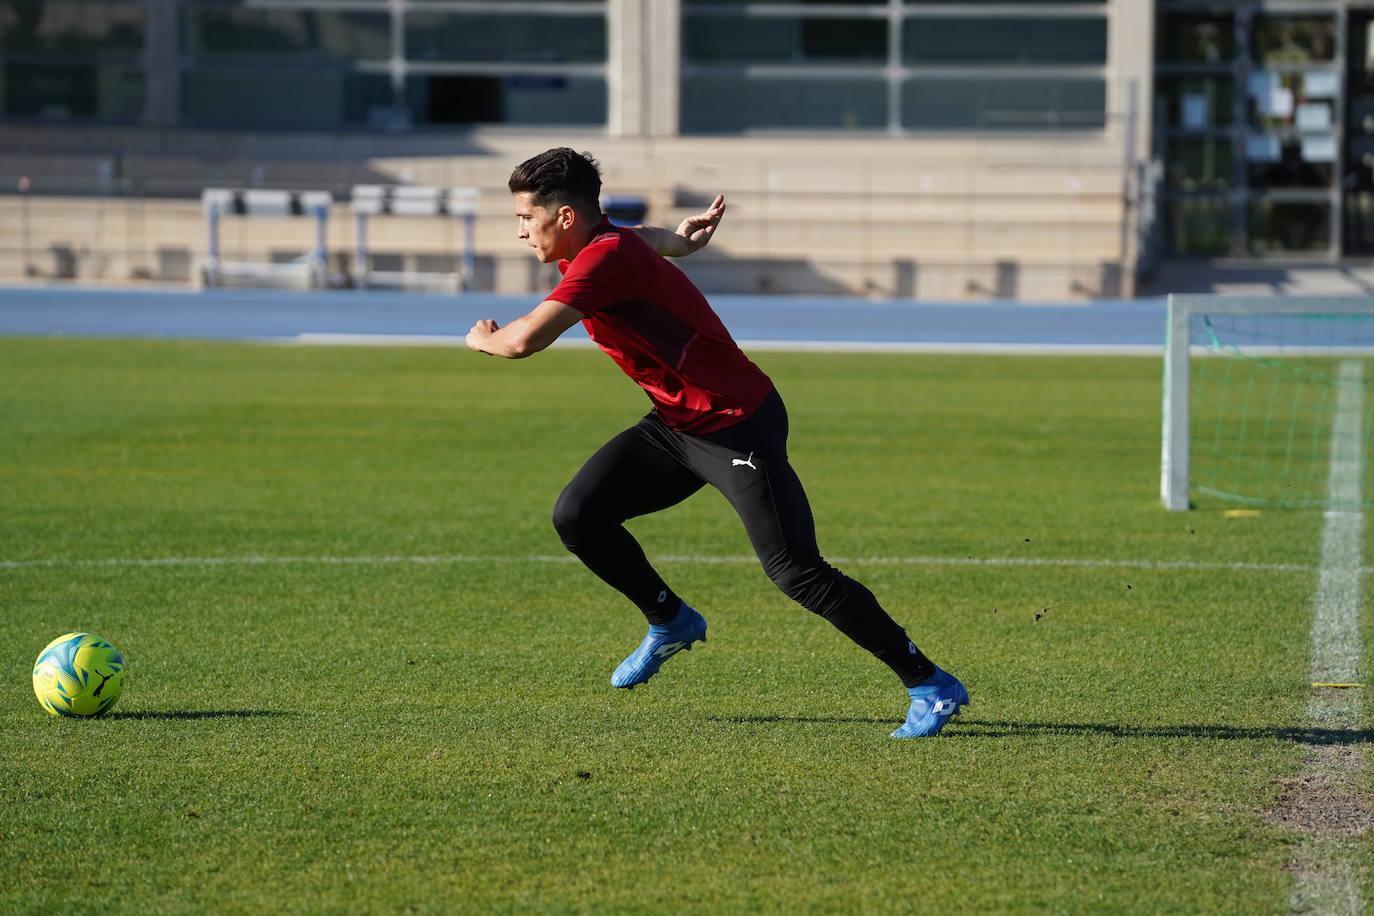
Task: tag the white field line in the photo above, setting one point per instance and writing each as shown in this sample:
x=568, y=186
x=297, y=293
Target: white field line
x=332, y=339
x=1069, y=562
x=1324, y=868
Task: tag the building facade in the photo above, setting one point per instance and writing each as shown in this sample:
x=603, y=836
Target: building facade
x=996, y=139
x=1265, y=126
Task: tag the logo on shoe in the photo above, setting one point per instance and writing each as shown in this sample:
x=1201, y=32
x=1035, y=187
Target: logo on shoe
x=745, y=462
x=669, y=649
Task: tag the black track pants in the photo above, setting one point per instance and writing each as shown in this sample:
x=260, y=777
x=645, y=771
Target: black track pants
x=650, y=467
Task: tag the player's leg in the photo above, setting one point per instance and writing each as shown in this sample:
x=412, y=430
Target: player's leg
x=634, y=474
x=748, y=464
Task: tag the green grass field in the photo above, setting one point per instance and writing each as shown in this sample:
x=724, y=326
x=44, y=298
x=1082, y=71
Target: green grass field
x=364, y=676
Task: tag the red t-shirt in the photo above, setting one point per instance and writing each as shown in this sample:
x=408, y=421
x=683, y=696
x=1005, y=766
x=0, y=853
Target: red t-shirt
x=658, y=327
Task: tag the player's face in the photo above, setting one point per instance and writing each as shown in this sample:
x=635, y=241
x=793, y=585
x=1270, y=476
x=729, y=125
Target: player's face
x=544, y=230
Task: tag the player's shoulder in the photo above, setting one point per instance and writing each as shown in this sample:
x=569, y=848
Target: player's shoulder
x=613, y=243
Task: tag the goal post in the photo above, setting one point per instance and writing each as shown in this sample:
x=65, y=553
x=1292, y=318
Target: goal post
x=1268, y=422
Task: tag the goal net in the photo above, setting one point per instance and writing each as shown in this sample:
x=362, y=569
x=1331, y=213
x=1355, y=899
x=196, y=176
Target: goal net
x=1266, y=401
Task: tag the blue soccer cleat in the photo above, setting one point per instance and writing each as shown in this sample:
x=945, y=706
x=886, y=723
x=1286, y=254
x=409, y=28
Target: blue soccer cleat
x=933, y=702
x=663, y=642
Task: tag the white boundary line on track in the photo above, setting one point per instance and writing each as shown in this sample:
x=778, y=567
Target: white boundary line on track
x=1324, y=867
x=1069, y=562
x=329, y=339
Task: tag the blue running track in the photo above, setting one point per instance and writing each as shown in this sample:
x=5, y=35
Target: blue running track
x=759, y=321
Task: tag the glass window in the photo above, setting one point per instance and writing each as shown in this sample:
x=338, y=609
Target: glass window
x=1294, y=39
x=238, y=31
x=1005, y=40
x=1198, y=163
x=726, y=104
x=1290, y=169
x=1195, y=102
x=1196, y=38
x=480, y=99
x=1280, y=225
x=501, y=37
x=1301, y=99
x=109, y=92
x=282, y=96
x=1013, y=2
x=688, y=4
x=1004, y=104
x=71, y=26
x=780, y=40
x=1198, y=226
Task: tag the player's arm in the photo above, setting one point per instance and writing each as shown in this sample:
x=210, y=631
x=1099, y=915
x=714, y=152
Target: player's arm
x=526, y=335
x=692, y=233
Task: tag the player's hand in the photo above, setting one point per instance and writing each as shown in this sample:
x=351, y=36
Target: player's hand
x=697, y=230
x=480, y=332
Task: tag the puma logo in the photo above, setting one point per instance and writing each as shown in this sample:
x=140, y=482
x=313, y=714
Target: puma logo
x=746, y=462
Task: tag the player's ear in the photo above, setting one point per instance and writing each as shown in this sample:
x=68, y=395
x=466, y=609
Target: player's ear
x=566, y=217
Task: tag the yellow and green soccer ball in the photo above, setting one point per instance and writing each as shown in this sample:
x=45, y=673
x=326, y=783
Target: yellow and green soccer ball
x=78, y=674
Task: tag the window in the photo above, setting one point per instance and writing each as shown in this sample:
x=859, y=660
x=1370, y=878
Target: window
x=1195, y=102
x=711, y=103
x=240, y=31
x=1196, y=38
x=1003, y=104
x=1293, y=39
x=316, y=65
x=1006, y=41
x=1201, y=164
x=467, y=99
x=500, y=37
x=806, y=39
x=71, y=27
x=283, y=67
x=855, y=65
x=1269, y=187
x=71, y=59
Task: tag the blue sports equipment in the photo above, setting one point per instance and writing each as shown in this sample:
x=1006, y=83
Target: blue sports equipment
x=663, y=642
x=933, y=702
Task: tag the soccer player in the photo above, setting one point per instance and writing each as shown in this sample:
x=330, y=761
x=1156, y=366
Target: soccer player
x=716, y=419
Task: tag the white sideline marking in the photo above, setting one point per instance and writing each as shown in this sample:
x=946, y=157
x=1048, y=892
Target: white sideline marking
x=70, y=563
x=1326, y=880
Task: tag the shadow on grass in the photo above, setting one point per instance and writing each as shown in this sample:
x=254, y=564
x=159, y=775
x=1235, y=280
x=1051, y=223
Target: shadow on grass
x=201, y=714
x=1297, y=734
x=975, y=728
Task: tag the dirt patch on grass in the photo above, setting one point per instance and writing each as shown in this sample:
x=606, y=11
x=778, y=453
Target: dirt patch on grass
x=1325, y=799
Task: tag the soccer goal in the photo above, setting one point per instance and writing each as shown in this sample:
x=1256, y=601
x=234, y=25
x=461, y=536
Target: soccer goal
x=1266, y=400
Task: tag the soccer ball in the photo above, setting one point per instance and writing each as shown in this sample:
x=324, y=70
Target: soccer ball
x=78, y=675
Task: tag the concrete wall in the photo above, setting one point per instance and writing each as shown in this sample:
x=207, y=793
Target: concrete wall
x=947, y=219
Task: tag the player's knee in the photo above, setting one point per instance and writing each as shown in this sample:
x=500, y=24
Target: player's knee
x=812, y=585
x=578, y=518
x=569, y=515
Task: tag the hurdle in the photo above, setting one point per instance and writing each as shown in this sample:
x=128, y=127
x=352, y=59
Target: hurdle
x=309, y=271
x=410, y=200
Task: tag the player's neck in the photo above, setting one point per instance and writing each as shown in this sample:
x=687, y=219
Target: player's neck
x=578, y=237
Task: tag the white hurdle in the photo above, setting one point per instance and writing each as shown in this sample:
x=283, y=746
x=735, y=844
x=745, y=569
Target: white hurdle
x=310, y=270
x=410, y=200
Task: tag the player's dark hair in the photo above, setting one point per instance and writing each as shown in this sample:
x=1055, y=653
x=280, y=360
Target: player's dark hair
x=561, y=176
